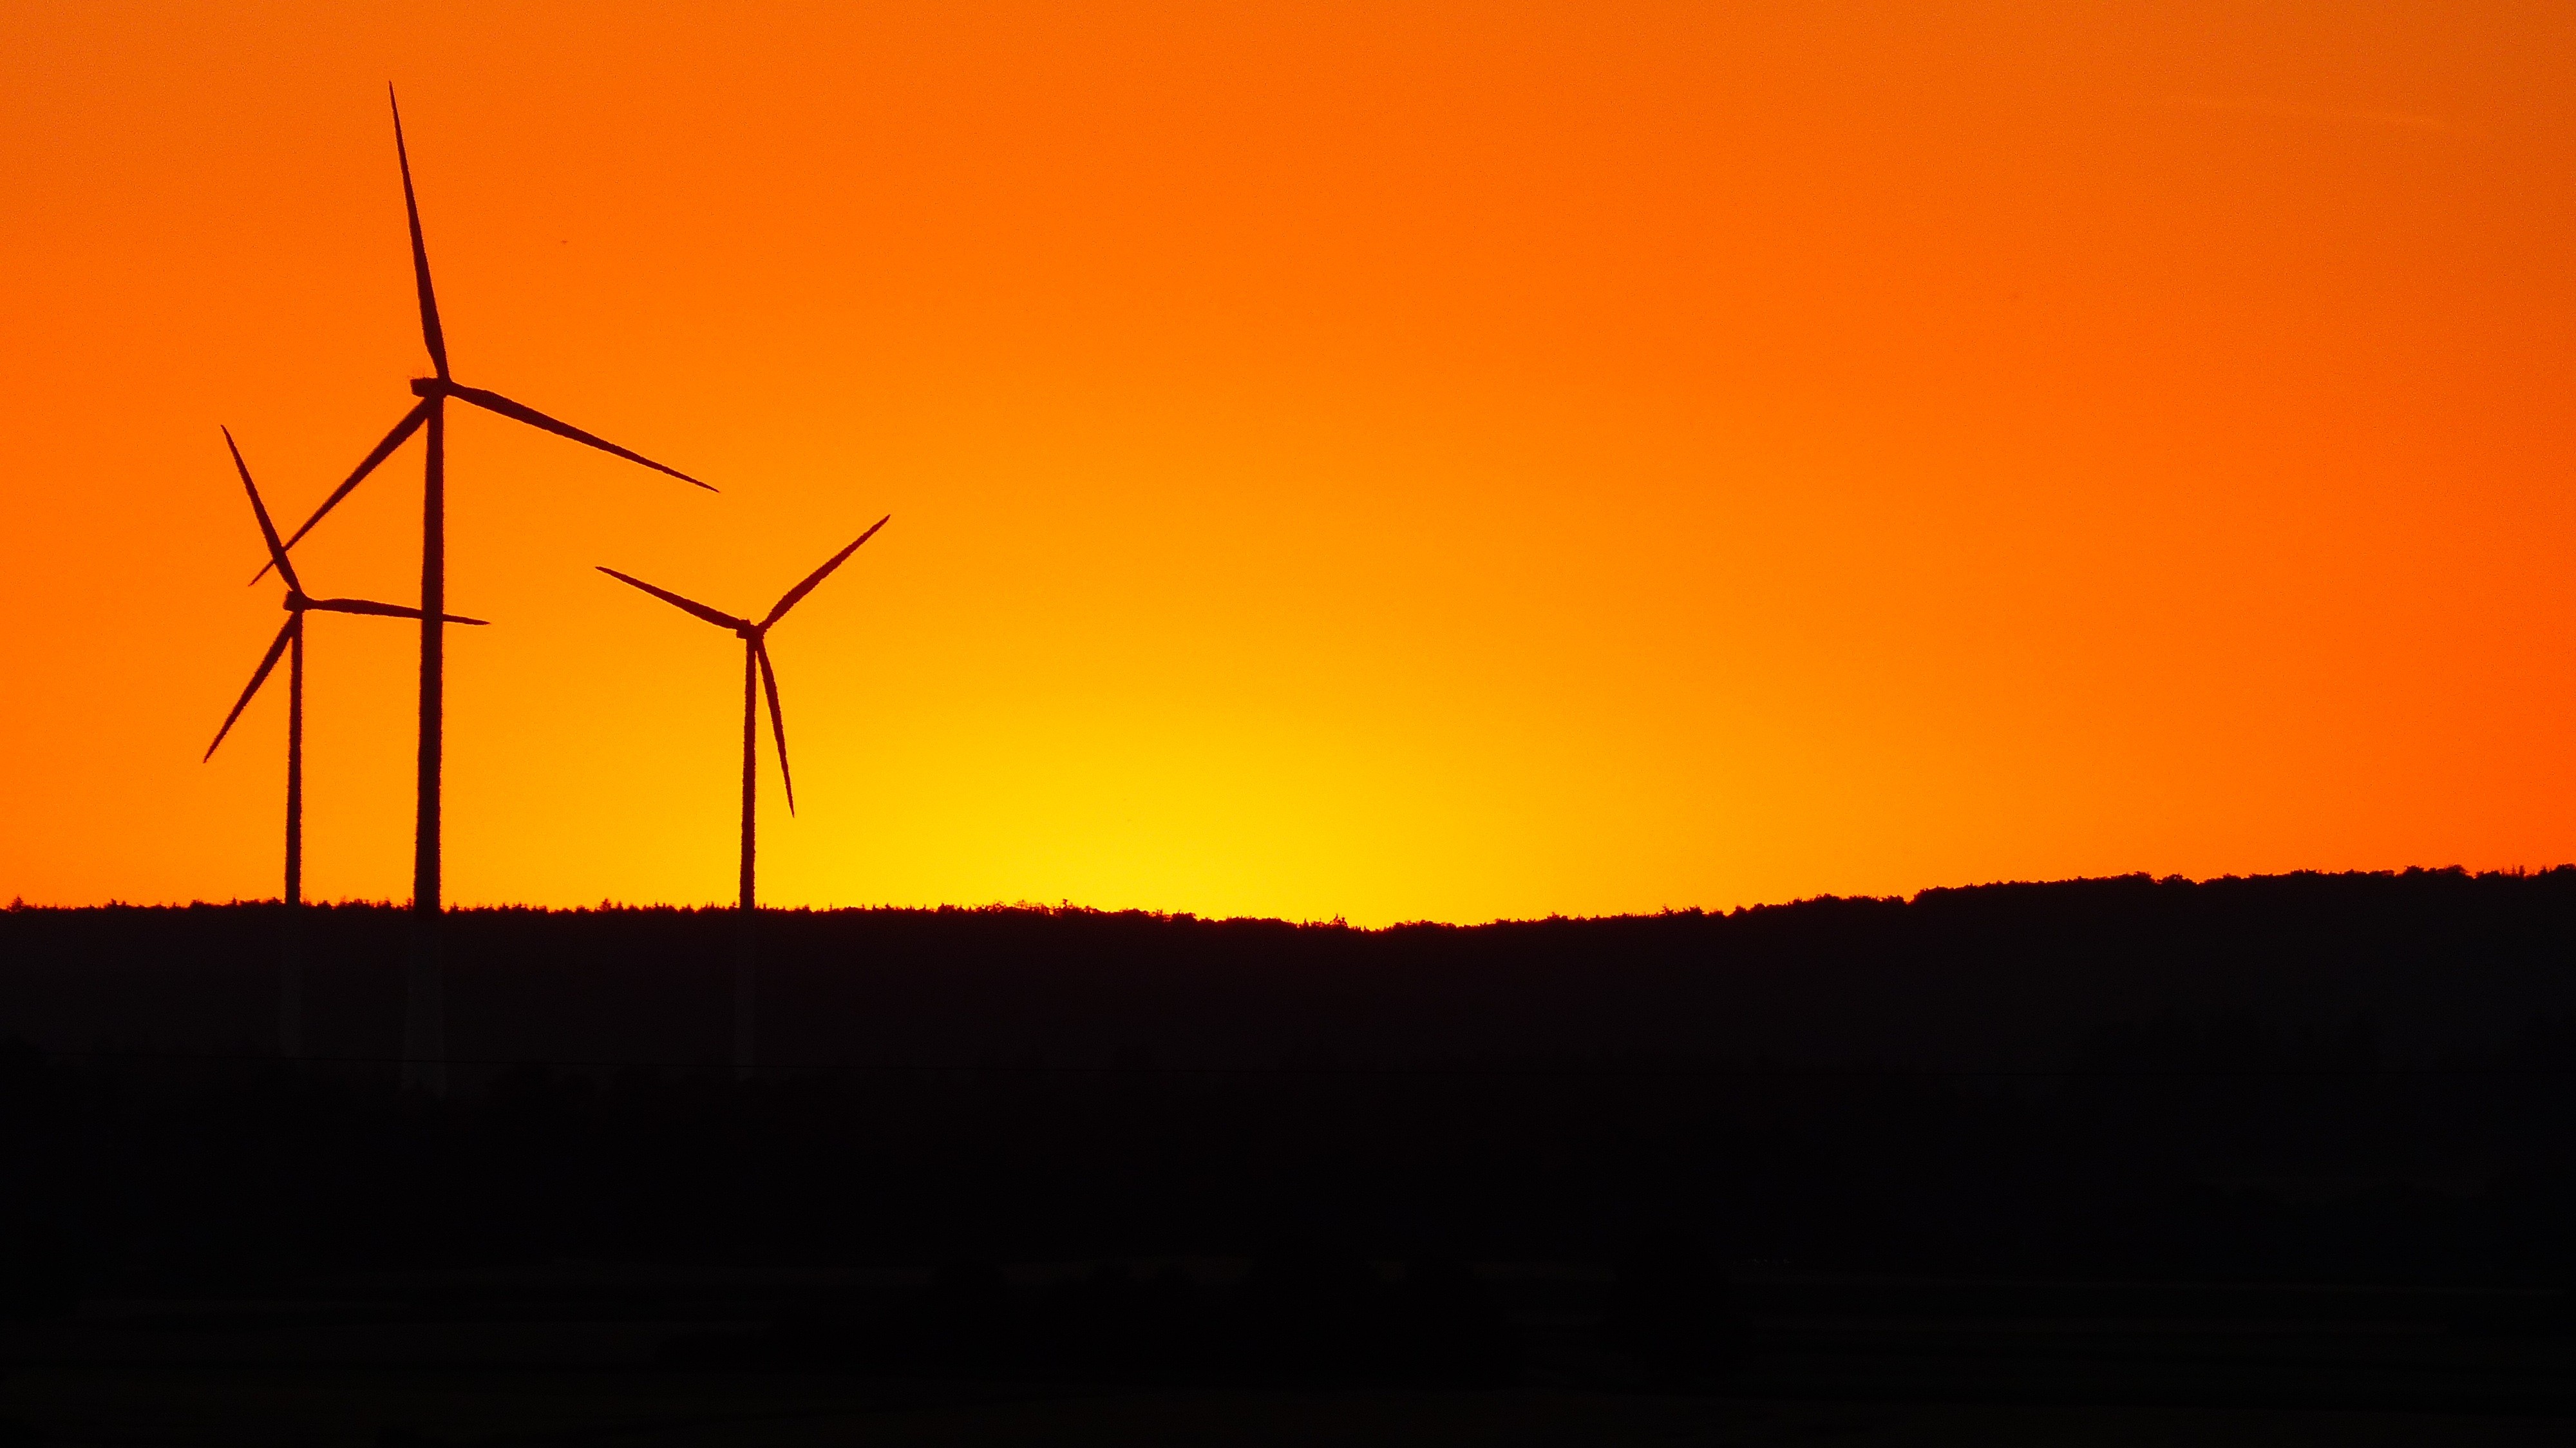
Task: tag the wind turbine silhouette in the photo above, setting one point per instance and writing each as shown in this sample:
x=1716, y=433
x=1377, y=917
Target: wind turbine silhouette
x=290, y=641
x=755, y=658
x=424, y=1012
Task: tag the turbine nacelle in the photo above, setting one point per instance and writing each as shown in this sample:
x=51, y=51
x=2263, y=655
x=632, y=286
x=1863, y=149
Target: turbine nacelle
x=297, y=602
x=755, y=637
x=434, y=390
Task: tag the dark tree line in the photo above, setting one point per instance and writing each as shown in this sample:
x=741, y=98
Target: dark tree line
x=2351, y=1078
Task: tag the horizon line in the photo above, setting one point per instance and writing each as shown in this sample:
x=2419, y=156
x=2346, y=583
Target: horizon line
x=19, y=904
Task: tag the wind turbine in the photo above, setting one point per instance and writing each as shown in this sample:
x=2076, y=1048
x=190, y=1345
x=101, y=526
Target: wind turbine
x=290, y=641
x=755, y=658
x=424, y=1013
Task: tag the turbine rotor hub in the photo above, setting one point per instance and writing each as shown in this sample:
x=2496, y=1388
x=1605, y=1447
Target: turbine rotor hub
x=431, y=387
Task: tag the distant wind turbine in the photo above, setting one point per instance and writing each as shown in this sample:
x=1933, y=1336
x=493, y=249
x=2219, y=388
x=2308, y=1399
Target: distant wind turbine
x=424, y=1014
x=755, y=659
x=290, y=641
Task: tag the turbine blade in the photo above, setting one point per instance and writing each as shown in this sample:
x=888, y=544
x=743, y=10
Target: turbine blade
x=720, y=620
x=267, y=530
x=521, y=412
x=258, y=677
x=430, y=331
x=777, y=721
x=818, y=575
x=380, y=610
x=402, y=432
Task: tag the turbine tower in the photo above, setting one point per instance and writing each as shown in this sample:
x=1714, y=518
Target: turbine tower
x=755, y=659
x=290, y=641
x=424, y=1012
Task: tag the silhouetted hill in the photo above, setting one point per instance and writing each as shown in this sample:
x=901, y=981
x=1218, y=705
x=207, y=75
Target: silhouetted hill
x=1999, y=977
x=1837, y=1148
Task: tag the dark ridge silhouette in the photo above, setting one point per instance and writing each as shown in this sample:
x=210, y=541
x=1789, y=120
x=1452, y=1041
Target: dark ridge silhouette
x=755, y=656
x=2402, y=970
x=2287, y=1144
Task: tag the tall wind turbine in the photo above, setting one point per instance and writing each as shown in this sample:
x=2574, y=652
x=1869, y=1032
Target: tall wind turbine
x=424, y=1013
x=290, y=641
x=755, y=659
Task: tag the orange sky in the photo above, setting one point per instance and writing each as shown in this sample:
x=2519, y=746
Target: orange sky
x=1386, y=461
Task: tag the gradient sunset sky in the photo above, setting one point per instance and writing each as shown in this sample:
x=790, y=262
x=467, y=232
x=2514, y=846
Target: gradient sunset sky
x=1388, y=461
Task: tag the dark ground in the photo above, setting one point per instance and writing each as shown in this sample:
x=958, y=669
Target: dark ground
x=2281, y=1161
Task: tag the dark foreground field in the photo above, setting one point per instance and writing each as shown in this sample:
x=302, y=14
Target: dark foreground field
x=2267, y=1161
